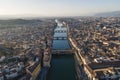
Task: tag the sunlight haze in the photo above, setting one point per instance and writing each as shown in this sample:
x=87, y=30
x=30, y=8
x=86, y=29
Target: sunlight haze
x=57, y=7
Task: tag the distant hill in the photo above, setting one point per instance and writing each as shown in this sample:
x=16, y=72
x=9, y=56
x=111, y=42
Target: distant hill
x=18, y=21
x=109, y=14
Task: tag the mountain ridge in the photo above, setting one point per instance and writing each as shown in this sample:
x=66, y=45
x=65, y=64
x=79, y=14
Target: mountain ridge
x=109, y=14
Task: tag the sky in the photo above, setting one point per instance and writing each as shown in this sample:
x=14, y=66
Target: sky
x=57, y=7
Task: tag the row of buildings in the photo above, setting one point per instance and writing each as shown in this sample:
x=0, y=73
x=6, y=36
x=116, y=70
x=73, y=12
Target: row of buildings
x=97, y=41
x=32, y=44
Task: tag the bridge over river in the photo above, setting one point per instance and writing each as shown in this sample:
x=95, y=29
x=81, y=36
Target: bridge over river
x=61, y=52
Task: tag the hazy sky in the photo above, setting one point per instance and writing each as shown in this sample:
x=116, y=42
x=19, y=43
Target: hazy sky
x=57, y=7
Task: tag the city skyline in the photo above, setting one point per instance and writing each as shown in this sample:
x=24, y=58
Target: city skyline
x=56, y=7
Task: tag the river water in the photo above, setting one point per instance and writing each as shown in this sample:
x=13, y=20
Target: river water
x=61, y=44
x=62, y=66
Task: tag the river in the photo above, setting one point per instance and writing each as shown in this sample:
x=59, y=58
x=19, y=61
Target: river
x=62, y=66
